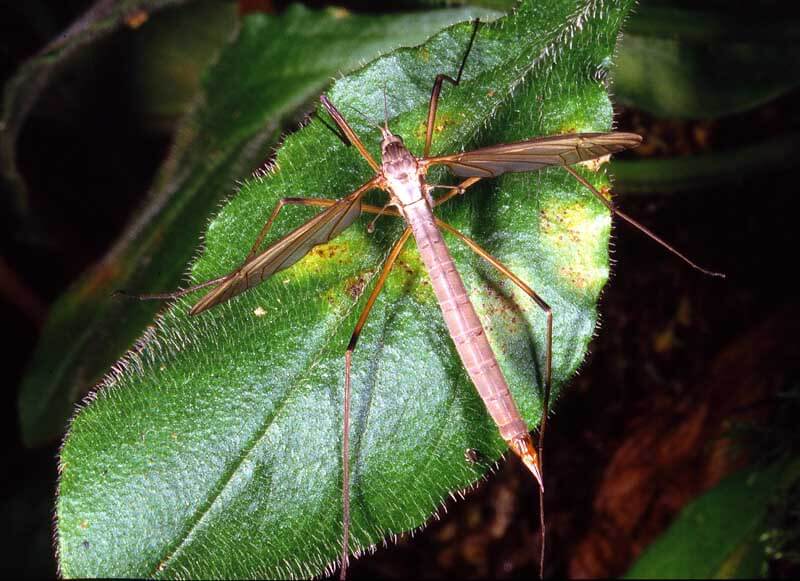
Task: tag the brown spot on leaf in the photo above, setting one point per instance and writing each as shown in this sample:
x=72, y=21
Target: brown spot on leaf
x=354, y=287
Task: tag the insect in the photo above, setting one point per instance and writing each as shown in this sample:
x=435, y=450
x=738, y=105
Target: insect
x=403, y=177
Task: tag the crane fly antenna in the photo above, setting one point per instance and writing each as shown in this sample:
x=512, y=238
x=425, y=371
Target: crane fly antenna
x=365, y=117
x=385, y=109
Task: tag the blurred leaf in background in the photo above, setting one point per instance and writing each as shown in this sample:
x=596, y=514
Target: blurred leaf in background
x=746, y=526
x=721, y=535
x=704, y=60
x=711, y=86
x=688, y=61
x=22, y=91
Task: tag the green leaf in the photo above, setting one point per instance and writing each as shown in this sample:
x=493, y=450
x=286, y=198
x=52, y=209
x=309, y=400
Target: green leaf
x=274, y=68
x=170, y=55
x=701, y=64
x=719, y=534
x=706, y=170
x=214, y=449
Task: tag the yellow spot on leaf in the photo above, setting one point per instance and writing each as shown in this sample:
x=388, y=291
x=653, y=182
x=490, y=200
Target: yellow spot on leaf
x=589, y=279
x=596, y=163
x=408, y=275
x=355, y=286
x=259, y=312
x=576, y=233
x=443, y=121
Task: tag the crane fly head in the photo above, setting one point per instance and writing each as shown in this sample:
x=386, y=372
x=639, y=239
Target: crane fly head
x=400, y=170
x=390, y=140
x=396, y=158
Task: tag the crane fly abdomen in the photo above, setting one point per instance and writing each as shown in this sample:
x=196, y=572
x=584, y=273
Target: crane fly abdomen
x=468, y=334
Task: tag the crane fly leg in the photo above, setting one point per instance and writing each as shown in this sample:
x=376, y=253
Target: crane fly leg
x=548, y=360
x=387, y=268
x=458, y=190
x=348, y=131
x=318, y=202
x=649, y=233
x=171, y=295
x=437, y=88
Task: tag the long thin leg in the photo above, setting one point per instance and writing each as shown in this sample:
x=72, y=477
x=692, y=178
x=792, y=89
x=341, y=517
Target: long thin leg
x=351, y=135
x=437, y=88
x=458, y=190
x=387, y=268
x=319, y=202
x=637, y=225
x=548, y=361
x=171, y=295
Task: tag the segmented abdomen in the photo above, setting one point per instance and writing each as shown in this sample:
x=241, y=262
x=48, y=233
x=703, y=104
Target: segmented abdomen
x=463, y=323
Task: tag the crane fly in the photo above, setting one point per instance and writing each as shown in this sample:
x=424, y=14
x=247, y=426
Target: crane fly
x=403, y=177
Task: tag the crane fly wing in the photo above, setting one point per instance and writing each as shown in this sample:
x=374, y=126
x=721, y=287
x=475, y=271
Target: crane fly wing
x=285, y=252
x=535, y=154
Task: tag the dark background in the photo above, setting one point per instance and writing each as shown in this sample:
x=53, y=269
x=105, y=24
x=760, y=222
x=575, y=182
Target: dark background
x=679, y=361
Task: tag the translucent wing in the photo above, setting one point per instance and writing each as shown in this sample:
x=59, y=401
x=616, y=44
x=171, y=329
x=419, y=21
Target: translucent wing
x=283, y=253
x=535, y=153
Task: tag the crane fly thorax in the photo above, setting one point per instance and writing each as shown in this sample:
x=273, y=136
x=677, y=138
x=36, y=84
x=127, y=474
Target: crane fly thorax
x=401, y=171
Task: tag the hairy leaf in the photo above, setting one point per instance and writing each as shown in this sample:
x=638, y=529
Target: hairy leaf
x=214, y=450
x=260, y=82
